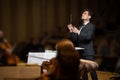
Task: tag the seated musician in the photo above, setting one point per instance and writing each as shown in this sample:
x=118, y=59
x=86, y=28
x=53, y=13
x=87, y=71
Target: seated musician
x=70, y=59
x=65, y=66
x=6, y=56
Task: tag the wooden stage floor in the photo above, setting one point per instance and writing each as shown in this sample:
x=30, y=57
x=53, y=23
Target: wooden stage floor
x=104, y=75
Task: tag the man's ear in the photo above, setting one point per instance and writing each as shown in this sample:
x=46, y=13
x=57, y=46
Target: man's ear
x=89, y=17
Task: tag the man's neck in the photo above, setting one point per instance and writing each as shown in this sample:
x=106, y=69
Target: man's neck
x=85, y=22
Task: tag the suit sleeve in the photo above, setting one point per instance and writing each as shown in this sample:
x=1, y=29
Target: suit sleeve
x=86, y=33
x=73, y=36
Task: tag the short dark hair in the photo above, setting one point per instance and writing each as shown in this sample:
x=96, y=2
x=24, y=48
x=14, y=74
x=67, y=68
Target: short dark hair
x=89, y=11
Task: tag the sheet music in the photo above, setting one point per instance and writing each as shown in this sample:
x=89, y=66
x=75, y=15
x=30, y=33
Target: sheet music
x=79, y=48
x=39, y=57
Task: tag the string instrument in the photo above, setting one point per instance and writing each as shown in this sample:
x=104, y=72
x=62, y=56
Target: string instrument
x=7, y=56
x=5, y=46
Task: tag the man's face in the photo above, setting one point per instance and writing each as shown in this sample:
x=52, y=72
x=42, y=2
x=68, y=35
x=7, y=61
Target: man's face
x=85, y=15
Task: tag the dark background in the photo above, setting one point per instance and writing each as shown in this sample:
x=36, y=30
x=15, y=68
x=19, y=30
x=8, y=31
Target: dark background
x=22, y=19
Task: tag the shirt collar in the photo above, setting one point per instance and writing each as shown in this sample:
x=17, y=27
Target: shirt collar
x=86, y=22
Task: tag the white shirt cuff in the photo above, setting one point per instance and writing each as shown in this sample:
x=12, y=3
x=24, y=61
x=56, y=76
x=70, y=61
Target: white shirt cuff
x=78, y=32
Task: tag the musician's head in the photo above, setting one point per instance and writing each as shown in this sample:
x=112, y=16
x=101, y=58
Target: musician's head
x=64, y=44
x=67, y=59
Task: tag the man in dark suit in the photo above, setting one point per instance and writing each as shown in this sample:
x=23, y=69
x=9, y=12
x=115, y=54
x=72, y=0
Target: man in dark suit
x=83, y=38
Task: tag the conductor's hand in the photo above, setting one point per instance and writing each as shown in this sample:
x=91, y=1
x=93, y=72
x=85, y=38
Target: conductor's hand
x=75, y=30
x=70, y=27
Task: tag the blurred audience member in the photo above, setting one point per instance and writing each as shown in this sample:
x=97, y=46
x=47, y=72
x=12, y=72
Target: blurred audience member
x=64, y=44
x=35, y=46
x=104, y=48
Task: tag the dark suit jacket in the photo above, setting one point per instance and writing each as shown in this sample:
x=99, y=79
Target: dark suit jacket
x=84, y=39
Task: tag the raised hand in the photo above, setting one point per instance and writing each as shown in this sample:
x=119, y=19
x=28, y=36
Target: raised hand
x=70, y=27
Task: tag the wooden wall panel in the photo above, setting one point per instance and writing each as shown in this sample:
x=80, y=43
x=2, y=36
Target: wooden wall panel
x=22, y=19
x=6, y=17
x=50, y=18
x=36, y=18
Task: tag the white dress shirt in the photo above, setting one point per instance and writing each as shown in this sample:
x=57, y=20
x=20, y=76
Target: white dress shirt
x=82, y=27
